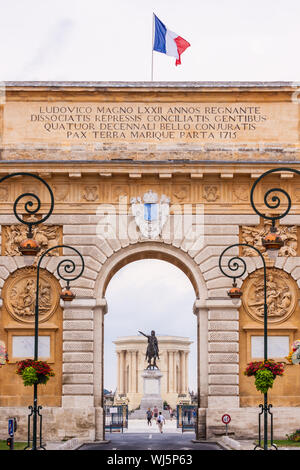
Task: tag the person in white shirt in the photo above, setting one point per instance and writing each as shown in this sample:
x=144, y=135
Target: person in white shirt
x=160, y=421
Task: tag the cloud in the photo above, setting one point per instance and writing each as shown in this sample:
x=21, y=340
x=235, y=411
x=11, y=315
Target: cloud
x=49, y=51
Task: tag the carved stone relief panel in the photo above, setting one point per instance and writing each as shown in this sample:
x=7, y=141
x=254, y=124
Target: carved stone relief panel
x=4, y=193
x=181, y=193
x=120, y=193
x=61, y=192
x=89, y=193
x=241, y=193
x=282, y=295
x=211, y=192
x=19, y=295
x=46, y=235
x=253, y=236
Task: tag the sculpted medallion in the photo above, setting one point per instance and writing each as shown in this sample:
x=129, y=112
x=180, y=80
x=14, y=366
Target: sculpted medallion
x=20, y=292
x=282, y=295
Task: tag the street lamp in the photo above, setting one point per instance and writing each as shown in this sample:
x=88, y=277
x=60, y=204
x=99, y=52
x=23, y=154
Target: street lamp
x=69, y=267
x=237, y=266
x=30, y=247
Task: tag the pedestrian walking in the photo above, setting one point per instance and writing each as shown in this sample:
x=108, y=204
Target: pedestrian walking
x=155, y=412
x=149, y=415
x=160, y=421
x=171, y=413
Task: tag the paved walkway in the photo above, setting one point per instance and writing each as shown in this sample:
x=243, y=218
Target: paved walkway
x=141, y=426
x=148, y=441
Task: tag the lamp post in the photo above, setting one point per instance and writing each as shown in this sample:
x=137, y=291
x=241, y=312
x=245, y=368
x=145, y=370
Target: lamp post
x=29, y=247
x=272, y=242
x=238, y=267
x=69, y=267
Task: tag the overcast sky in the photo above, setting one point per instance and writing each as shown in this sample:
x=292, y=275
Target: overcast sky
x=111, y=40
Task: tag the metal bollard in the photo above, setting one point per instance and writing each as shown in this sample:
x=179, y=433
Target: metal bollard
x=12, y=427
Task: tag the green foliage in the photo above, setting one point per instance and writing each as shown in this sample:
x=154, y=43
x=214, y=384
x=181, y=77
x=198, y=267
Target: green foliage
x=295, y=436
x=34, y=372
x=264, y=380
x=17, y=445
x=29, y=376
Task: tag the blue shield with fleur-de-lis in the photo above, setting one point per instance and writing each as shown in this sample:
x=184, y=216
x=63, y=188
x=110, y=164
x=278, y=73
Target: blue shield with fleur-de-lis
x=150, y=211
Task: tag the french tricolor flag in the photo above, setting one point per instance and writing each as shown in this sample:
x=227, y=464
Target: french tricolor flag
x=167, y=42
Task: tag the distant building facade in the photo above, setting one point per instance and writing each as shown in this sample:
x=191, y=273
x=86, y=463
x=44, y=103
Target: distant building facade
x=173, y=363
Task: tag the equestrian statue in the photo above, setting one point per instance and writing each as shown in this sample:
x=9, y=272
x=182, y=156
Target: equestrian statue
x=152, y=352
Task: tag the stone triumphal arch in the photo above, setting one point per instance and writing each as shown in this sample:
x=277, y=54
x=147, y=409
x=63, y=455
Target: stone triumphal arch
x=140, y=170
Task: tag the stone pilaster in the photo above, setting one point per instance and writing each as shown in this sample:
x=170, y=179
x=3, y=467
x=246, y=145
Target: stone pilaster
x=78, y=361
x=223, y=353
x=99, y=312
x=200, y=310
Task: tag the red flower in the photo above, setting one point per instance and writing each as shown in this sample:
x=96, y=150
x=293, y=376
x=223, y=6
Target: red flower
x=277, y=368
x=41, y=367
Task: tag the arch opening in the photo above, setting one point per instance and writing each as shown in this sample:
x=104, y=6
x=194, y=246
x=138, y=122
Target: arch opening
x=145, y=295
x=151, y=250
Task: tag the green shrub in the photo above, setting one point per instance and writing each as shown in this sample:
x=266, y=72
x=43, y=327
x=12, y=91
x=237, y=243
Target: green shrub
x=295, y=436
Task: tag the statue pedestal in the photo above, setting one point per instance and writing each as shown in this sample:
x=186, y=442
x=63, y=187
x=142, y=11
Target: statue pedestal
x=151, y=389
x=152, y=394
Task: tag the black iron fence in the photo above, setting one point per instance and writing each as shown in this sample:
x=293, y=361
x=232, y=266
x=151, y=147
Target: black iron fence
x=186, y=417
x=116, y=418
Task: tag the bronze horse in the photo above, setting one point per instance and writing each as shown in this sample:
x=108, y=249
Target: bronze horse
x=152, y=350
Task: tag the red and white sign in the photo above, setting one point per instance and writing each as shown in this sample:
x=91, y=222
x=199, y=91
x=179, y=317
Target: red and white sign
x=226, y=419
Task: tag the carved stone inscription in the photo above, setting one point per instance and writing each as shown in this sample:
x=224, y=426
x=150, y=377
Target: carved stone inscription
x=129, y=122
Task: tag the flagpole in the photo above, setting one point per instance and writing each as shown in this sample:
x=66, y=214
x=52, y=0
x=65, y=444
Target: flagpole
x=152, y=47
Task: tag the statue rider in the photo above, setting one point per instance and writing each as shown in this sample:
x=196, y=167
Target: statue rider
x=152, y=349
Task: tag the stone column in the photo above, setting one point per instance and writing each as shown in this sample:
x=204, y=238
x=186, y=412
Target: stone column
x=99, y=312
x=182, y=372
x=186, y=359
x=118, y=372
x=171, y=371
x=133, y=372
x=174, y=372
x=122, y=372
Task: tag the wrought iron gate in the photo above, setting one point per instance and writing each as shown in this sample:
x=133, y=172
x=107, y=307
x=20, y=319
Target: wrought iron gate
x=186, y=417
x=116, y=417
